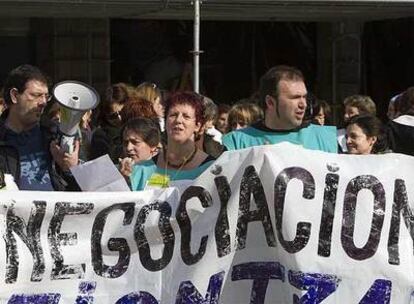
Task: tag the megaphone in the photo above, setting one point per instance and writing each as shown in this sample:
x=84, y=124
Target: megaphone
x=75, y=99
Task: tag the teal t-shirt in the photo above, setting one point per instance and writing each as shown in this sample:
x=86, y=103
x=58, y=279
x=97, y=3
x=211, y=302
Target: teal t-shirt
x=312, y=137
x=144, y=171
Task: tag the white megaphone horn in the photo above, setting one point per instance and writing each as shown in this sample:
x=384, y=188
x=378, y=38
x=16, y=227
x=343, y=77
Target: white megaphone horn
x=75, y=99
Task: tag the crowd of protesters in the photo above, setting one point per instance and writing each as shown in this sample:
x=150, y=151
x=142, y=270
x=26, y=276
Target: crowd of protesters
x=157, y=138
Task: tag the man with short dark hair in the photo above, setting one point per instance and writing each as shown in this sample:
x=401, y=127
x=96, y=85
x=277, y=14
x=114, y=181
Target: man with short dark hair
x=27, y=149
x=283, y=97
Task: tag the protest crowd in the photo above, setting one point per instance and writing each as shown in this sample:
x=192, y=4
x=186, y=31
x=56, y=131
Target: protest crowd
x=185, y=143
x=155, y=138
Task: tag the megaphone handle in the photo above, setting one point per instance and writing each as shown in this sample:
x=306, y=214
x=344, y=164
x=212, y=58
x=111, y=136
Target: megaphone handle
x=67, y=143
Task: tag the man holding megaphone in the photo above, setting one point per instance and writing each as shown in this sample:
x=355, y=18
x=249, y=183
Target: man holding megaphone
x=28, y=149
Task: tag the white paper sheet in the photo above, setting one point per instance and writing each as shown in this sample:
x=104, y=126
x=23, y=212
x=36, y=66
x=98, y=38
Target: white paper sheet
x=99, y=175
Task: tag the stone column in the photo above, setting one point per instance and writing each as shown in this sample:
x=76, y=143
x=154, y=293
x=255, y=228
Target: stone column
x=339, y=62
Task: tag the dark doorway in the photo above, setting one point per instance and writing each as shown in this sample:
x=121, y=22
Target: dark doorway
x=389, y=59
x=15, y=50
x=235, y=54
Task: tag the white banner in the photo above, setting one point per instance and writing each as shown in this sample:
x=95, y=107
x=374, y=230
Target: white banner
x=272, y=224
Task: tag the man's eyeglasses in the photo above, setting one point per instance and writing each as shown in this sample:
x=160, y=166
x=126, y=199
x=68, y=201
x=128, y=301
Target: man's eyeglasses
x=36, y=96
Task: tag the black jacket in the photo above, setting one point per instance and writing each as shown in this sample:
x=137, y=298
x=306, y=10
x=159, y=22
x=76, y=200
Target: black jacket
x=212, y=147
x=10, y=159
x=401, y=137
x=106, y=140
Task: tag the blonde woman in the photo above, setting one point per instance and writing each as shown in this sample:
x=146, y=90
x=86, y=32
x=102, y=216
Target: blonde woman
x=242, y=115
x=152, y=93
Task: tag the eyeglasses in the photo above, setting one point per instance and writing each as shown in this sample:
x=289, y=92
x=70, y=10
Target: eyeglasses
x=35, y=96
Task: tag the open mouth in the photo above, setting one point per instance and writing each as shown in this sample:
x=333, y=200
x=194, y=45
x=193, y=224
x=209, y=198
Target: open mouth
x=300, y=114
x=177, y=129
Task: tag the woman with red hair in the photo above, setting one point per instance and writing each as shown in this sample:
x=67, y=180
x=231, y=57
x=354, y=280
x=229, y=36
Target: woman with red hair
x=180, y=159
x=137, y=107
